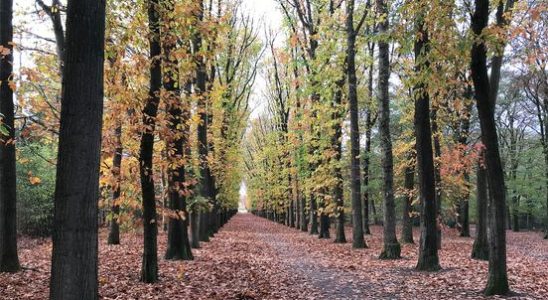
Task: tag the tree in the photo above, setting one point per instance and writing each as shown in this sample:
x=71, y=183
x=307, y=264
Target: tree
x=391, y=246
x=9, y=260
x=75, y=248
x=178, y=245
x=497, y=283
x=149, y=267
x=357, y=222
x=480, y=248
x=428, y=247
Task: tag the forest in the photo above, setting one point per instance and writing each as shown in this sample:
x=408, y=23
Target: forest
x=273, y=149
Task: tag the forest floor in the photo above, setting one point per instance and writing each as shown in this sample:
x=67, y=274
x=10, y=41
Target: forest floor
x=252, y=258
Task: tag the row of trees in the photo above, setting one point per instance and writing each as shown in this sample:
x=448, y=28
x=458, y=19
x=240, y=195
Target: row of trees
x=165, y=151
x=428, y=73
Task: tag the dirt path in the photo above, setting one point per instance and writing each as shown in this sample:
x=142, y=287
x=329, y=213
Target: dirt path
x=334, y=271
x=252, y=258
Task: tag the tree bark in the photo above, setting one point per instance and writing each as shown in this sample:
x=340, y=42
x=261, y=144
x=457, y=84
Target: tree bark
x=409, y=186
x=149, y=268
x=75, y=246
x=114, y=232
x=497, y=283
x=9, y=260
x=313, y=215
x=480, y=249
x=178, y=244
x=428, y=247
x=391, y=246
x=367, y=155
x=358, y=240
x=206, y=179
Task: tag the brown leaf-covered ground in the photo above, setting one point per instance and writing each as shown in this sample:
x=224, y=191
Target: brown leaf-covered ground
x=252, y=258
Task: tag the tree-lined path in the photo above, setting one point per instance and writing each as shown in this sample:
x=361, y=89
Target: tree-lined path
x=253, y=258
x=383, y=149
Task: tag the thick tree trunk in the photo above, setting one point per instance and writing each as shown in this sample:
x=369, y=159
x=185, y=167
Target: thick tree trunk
x=75, y=246
x=409, y=186
x=428, y=248
x=9, y=261
x=498, y=279
x=480, y=249
x=149, y=267
x=114, y=232
x=391, y=246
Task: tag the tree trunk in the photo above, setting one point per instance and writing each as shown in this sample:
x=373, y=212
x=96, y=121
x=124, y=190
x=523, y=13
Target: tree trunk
x=437, y=173
x=409, y=186
x=114, y=233
x=206, y=179
x=9, y=260
x=75, y=246
x=497, y=283
x=358, y=240
x=304, y=223
x=367, y=156
x=194, y=229
x=324, y=226
x=428, y=248
x=313, y=215
x=391, y=246
x=178, y=244
x=480, y=249
x=149, y=267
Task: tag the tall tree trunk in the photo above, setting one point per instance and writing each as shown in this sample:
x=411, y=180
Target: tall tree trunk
x=409, y=186
x=178, y=244
x=9, y=260
x=358, y=240
x=203, y=144
x=75, y=246
x=114, y=232
x=428, y=248
x=367, y=155
x=391, y=246
x=480, y=249
x=149, y=267
x=498, y=279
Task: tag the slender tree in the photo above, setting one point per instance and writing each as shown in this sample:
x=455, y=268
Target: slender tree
x=114, y=232
x=149, y=267
x=391, y=246
x=358, y=240
x=409, y=187
x=9, y=260
x=497, y=283
x=178, y=245
x=75, y=247
x=428, y=247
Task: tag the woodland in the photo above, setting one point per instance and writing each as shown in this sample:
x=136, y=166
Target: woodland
x=185, y=149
